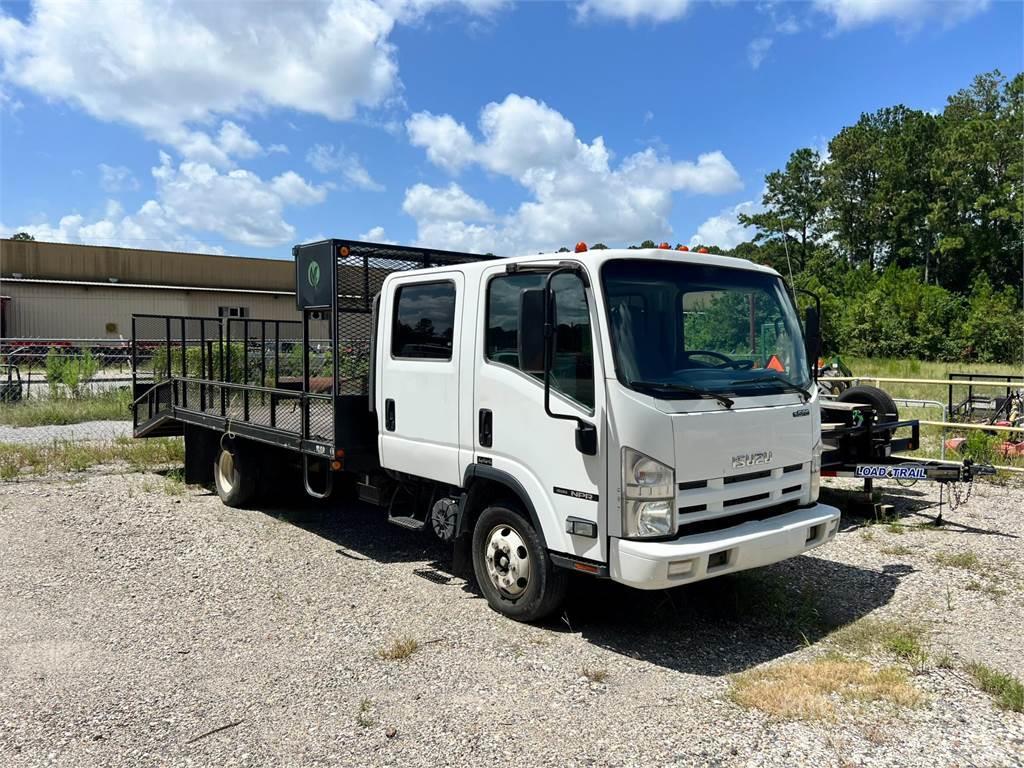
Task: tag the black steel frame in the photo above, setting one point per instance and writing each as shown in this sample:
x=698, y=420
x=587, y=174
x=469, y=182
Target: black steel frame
x=207, y=399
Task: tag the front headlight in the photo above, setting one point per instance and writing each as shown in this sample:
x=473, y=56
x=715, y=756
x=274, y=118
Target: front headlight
x=648, y=496
x=815, y=485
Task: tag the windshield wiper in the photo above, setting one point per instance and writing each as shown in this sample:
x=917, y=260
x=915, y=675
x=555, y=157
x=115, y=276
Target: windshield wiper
x=685, y=389
x=771, y=377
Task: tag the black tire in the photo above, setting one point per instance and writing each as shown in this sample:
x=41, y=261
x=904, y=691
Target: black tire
x=879, y=400
x=235, y=483
x=504, y=523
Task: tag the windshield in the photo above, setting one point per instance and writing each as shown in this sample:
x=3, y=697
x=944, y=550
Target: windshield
x=677, y=326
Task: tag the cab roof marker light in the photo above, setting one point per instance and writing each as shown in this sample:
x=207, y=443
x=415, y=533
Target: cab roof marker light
x=665, y=247
x=581, y=247
x=702, y=250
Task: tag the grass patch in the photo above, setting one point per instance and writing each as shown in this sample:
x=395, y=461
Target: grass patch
x=364, y=717
x=809, y=690
x=1007, y=690
x=17, y=459
x=38, y=412
x=400, y=649
x=594, y=675
x=967, y=561
x=898, y=550
x=988, y=588
x=868, y=634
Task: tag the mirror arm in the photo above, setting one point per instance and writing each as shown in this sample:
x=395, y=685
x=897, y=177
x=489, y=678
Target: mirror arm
x=586, y=433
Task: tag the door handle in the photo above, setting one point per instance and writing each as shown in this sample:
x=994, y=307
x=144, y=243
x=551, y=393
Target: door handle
x=389, y=415
x=486, y=436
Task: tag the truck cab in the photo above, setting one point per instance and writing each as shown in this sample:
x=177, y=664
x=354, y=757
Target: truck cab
x=644, y=415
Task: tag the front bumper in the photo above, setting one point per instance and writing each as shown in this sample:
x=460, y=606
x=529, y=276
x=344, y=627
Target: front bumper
x=662, y=564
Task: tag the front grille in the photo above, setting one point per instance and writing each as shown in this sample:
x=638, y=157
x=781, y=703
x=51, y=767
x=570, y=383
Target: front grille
x=720, y=523
x=745, y=499
x=728, y=498
x=748, y=476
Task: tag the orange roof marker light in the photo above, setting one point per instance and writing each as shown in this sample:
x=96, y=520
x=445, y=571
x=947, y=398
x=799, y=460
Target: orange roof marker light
x=581, y=247
x=665, y=246
x=702, y=250
x=343, y=251
x=683, y=248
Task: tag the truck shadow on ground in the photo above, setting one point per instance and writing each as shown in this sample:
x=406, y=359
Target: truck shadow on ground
x=717, y=627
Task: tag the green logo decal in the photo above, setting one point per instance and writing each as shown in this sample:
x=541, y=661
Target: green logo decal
x=313, y=274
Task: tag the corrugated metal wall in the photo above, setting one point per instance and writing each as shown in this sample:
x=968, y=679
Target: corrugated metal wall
x=52, y=311
x=65, y=261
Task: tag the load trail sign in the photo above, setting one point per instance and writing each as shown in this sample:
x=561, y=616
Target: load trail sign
x=901, y=472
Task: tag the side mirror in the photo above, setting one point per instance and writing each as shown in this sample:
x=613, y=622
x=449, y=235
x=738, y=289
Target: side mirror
x=812, y=336
x=586, y=439
x=531, y=343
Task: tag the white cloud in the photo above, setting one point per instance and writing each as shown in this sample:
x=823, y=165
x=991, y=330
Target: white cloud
x=575, y=192
x=724, y=230
x=849, y=14
x=325, y=158
x=169, y=67
x=150, y=227
x=238, y=205
x=376, y=235
x=193, y=197
x=451, y=203
x=447, y=142
x=757, y=50
x=114, y=178
x=634, y=10
x=235, y=140
x=160, y=65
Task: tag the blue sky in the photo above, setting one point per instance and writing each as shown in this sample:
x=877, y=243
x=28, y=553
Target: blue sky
x=479, y=124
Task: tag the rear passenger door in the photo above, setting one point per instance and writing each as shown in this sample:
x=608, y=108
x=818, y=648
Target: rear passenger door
x=418, y=393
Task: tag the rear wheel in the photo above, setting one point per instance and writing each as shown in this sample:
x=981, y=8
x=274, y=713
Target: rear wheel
x=235, y=484
x=512, y=565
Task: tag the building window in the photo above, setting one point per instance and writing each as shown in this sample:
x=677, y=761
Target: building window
x=424, y=322
x=232, y=311
x=572, y=367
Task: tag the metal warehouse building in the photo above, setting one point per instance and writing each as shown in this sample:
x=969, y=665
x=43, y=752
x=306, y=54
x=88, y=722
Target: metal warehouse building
x=60, y=291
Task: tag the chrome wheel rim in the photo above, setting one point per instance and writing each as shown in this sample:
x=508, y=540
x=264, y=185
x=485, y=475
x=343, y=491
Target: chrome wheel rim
x=226, y=470
x=507, y=560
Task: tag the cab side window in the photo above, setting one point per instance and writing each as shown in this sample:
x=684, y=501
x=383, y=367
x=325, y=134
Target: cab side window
x=424, y=321
x=572, y=370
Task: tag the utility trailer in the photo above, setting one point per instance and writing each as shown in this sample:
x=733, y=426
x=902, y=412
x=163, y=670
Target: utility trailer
x=859, y=440
x=606, y=412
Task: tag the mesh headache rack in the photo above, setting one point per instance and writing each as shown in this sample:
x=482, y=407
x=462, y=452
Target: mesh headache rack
x=302, y=384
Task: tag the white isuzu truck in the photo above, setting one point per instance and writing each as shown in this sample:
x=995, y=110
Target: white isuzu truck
x=646, y=416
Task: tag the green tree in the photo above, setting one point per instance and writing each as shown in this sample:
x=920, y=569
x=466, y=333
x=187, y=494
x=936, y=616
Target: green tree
x=22, y=236
x=978, y=171
x=648, y=244
x=793, y=202
x=599, y=247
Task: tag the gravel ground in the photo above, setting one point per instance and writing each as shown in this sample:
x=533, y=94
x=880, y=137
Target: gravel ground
x=86, y=430
x=137, y=620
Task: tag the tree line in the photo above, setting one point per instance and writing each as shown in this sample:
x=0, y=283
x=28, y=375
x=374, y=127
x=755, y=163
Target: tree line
x=910, y=228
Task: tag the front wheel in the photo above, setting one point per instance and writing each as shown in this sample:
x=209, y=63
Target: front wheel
x=512, y=565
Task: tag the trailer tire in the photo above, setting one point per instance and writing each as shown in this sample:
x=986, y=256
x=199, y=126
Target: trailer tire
x=880, y=400
x=512, y=566
x=235, y=484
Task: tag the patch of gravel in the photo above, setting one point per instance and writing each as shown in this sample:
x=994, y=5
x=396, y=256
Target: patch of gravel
x=48, y=433
x=134, y=621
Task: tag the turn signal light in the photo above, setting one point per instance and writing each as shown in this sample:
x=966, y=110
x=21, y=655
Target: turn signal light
x=581, y=247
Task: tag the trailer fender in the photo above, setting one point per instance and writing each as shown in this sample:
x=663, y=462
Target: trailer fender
x=481, y=485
